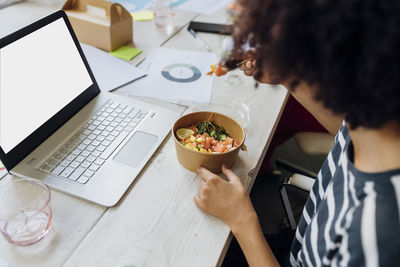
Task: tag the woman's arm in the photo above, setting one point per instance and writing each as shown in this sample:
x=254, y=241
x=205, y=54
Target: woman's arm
x=254, y=246
x=229, y=201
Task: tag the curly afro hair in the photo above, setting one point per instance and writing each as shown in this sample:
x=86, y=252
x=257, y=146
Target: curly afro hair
x=347, y=49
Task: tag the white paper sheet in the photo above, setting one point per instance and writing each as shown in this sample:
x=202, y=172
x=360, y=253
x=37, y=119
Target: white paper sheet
x=202, y=6
x=110, y=72
x=3, y=263
x=3, y=173
x=175, y=76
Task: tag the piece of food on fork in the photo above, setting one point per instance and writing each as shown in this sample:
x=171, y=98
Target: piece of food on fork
x=218, y=70
x=221, y=69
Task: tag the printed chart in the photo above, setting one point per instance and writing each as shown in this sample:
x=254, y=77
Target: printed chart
x=177, y=76
x=181, y=73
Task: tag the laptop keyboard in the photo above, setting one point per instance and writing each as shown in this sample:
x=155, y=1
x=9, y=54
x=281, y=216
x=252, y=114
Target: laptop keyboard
x=82, y=156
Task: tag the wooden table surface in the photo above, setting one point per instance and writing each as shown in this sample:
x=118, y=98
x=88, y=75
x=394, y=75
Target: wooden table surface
x=156, y=223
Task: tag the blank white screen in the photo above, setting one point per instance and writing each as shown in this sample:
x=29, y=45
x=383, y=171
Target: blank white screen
x=39, y=75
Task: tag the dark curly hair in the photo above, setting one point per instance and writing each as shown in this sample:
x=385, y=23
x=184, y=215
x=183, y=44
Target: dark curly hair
x=347, y=49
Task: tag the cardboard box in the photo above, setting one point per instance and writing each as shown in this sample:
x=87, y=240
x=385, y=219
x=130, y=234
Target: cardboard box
x=100, y=23
x=191, y=159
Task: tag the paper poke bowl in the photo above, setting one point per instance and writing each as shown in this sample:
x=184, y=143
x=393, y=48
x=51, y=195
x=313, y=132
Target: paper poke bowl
x=207, y=139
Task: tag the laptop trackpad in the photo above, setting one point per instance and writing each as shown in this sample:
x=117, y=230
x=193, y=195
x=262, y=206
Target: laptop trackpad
x=136, y=149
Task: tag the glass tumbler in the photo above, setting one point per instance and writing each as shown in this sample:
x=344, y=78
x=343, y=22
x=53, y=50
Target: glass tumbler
x=25, y=212
x=164, y=15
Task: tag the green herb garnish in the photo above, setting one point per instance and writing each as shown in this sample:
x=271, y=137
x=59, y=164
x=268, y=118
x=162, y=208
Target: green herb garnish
x=213, y=130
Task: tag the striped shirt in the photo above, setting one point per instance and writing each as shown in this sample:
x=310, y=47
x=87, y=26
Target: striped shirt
x=351, y=218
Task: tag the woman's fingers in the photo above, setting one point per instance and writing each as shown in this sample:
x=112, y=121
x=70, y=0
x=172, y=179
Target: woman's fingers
x=198, y=202
x=232, y=177
x=208, y=179
x=248, y=67
x=249, y=72
x=243, y=67
x=249, y=64
x=205, y=174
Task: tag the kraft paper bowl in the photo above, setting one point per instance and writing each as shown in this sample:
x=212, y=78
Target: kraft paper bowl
x=191, y=159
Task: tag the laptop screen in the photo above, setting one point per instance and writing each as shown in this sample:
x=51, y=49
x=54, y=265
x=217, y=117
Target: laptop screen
x=37, y=79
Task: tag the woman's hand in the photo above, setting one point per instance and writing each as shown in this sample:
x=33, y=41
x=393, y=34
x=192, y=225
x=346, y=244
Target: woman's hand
x=249, y=68
x=227, y=200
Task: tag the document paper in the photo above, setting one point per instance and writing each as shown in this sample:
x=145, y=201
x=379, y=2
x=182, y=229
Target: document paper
x=110, y=72
x=176, y=76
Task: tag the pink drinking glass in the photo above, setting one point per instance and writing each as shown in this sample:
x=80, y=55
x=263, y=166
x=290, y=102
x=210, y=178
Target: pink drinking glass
x=25, y=212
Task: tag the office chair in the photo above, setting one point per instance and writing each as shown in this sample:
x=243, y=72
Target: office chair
x=315, y=146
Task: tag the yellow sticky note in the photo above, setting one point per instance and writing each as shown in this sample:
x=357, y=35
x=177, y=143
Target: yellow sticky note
x=142, y=15
x=125, y=52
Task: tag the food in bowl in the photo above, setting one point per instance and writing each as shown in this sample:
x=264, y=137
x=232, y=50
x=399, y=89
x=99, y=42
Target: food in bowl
x=206, y=137
x=191, y=158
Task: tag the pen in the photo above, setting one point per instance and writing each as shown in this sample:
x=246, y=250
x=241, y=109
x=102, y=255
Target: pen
x=200, y=39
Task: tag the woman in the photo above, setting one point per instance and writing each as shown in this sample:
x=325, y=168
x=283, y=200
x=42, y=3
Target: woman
x=341, y=61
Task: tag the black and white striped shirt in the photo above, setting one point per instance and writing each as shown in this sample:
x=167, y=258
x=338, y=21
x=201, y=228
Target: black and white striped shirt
x=351, y=217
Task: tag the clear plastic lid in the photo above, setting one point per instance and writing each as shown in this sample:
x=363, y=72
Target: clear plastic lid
x=240, y=112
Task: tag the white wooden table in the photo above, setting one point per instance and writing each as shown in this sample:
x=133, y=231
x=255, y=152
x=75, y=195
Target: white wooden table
x=156, y=223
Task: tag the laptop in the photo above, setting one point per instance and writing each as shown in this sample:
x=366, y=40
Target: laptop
x=56, y=125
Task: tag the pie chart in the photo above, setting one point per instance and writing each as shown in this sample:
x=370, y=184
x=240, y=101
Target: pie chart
x=181, y=73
